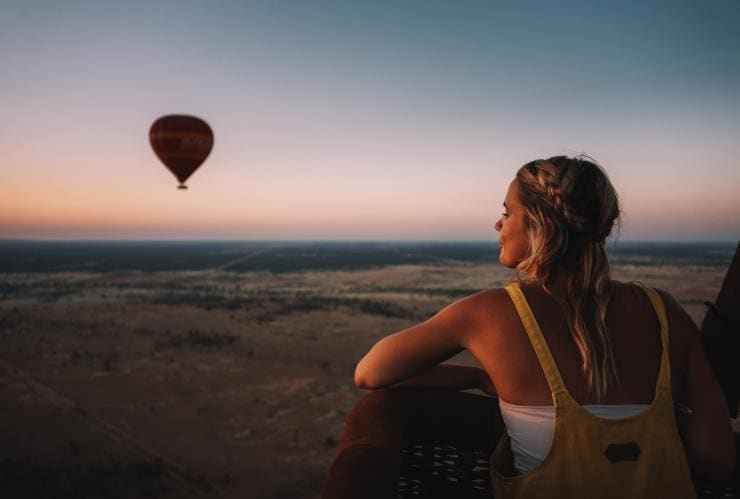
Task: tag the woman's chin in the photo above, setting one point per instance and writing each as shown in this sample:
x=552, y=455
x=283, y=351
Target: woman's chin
x=503, y=260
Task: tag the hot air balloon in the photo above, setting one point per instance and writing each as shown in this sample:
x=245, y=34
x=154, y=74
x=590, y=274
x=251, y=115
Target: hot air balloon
x=182, y=143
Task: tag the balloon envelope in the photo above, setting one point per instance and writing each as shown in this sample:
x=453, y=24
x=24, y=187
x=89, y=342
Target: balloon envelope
x=182, y=143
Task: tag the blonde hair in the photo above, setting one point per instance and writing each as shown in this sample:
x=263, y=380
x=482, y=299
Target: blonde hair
x=571, y=208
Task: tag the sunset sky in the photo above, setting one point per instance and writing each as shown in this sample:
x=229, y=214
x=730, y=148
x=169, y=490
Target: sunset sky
x=363, y=119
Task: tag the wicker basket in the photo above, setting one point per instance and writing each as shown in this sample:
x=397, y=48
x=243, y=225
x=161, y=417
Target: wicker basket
x=428, y=443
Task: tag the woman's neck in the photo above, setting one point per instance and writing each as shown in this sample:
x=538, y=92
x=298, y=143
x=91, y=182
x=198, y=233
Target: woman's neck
x=558, y=287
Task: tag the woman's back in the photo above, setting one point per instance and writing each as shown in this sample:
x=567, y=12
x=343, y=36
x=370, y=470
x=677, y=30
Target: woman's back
x=594, y=456
x=506, y=352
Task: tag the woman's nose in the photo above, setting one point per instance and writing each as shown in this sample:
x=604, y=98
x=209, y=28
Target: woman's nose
x=497, y=226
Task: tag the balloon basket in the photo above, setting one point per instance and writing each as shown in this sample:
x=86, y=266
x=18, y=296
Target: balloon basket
x=182, y=186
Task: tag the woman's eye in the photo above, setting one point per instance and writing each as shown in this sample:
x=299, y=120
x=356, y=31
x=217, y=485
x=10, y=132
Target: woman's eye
x=505, y=214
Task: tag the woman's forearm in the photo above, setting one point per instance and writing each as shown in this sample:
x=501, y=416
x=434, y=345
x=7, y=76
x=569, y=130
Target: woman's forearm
x=449, y=376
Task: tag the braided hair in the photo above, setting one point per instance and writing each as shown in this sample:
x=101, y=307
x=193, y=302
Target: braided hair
x=571, y=208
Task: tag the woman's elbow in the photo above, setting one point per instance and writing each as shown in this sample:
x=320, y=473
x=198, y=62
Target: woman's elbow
x=363, y=379
x=366, y=384
x=360, y=381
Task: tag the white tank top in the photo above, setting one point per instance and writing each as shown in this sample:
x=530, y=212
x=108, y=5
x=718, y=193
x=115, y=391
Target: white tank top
x=530, y=428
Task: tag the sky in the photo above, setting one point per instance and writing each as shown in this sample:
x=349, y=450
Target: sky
x=363, y=120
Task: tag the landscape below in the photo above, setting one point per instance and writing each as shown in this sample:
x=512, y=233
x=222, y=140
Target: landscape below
x=138, y=369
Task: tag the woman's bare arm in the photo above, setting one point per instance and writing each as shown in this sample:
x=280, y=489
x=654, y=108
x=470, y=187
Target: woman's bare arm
x=706, y=430
x=409, y=352
x=451, y=377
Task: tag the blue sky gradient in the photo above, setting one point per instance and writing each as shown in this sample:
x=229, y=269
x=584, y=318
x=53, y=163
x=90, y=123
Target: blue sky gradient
x=364, y=120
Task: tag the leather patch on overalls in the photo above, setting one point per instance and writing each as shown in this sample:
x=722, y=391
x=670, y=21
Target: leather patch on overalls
x=622, y=452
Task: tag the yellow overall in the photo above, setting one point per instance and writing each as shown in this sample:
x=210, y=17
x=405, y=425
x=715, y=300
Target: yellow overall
x=641, y=456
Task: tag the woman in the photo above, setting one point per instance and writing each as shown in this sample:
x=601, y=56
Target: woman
x=576, y=358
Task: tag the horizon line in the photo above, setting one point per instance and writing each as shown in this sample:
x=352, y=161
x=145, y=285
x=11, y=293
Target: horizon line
x=331, y=240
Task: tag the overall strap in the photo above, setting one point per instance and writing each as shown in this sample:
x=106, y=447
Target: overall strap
x=664, y=377
x=557, y=387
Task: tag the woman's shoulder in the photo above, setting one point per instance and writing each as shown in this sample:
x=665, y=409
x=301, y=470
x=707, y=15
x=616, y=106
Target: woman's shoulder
x=679, y=321
x=683, y=334
x=683, y=331
x=632, y=295
x=637, y=287
x=486, y=296
x=491, y=308
x=488, y=301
